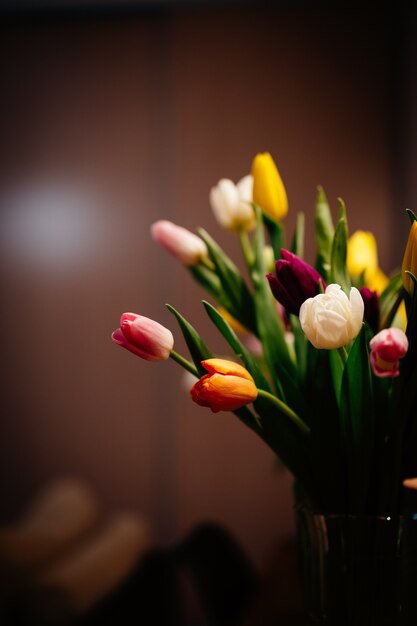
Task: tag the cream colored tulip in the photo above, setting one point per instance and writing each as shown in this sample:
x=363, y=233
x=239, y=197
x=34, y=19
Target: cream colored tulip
x=331, y=319
x=231, y=204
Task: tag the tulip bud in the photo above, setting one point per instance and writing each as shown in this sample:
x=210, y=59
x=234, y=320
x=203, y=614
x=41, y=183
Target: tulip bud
x=362, y=260
x=410, y=483
x=268, y=189
x=144, y=337
x=372, y=308
x=331, y=319
x=361, y=254
x=377, y=281
x=227, y=386
x=295, y=281
x=387, y=347
x=410, y=259
x=231, y=204
x=180, y=242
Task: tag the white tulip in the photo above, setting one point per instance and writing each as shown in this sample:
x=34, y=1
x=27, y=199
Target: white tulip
x=331, y=319
x=231, y=203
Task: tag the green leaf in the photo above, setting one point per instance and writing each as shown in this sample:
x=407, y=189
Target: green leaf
x=268, y=322
x=298, y=240
x=300, y=345
x=336, y=370
x=207, y=279
x=238, y=348
x=338, y=272
x=390, y=300
x=275, y=231
x=411, y=215
x=198, y=349
x=321, y=412
x=290, y=444
x=324, y=234
x=234, y=294
x=358, y=421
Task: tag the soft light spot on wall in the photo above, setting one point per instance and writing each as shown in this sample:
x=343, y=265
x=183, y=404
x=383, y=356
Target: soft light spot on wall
x=49, y=226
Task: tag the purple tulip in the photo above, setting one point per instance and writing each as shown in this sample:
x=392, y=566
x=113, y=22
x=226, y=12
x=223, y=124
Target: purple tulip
x=372, y=309
x=294, y=282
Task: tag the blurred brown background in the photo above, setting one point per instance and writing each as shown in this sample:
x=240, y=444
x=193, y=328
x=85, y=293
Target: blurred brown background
x=111, y=119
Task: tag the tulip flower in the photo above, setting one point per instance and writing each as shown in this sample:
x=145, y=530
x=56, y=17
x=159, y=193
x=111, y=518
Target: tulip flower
x=410, y=259
x=361, y=253
x=387, y=348
x=410, y=483
x=180, y=242
x=268, y=189
x=372, y=308
x=294, y=282
x=231, y=204
x=377, y=281
x=144, y=337
x=331, y=319
x=227, y=386
x=362, y=260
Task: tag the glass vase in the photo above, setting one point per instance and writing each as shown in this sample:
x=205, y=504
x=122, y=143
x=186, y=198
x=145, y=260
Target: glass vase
x=358, y=570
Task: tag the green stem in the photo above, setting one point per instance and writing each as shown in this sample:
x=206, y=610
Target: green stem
x=187, y=365
x=207, y=263
x=390, y=317
x=284, y=408
x=343, y=354
x=246, y=249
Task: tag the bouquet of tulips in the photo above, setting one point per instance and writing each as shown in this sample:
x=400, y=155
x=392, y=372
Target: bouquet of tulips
x=323, y=363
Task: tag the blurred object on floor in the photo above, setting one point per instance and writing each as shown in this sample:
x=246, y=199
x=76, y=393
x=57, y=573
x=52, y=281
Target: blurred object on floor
x=279, y=601
x=205, y=580
x=223, y=575
x=65, y=564
x=57, y=516
x=97, y=565
x=62, y=558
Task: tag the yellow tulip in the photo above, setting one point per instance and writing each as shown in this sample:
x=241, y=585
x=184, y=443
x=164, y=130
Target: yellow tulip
x=362, y=254
x=236, y=326
x=362, y=259
x=400, y=318
x=268, y=189
x=376, y=281
x=410, y=259
x=227, y=386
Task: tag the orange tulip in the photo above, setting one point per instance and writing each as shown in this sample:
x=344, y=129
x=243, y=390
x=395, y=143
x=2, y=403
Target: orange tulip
x=227, y=386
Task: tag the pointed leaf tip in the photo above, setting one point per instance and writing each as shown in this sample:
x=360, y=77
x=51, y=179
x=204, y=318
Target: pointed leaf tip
x=411, y=215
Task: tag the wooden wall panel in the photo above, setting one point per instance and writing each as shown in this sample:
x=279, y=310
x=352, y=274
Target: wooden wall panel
x=111, y=124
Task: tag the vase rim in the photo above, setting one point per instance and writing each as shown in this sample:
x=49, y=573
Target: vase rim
x=370, y=516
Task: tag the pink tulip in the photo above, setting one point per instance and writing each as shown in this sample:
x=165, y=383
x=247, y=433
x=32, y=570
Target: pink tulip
x=387, y=348
x=144, y=337
x=178, y=241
